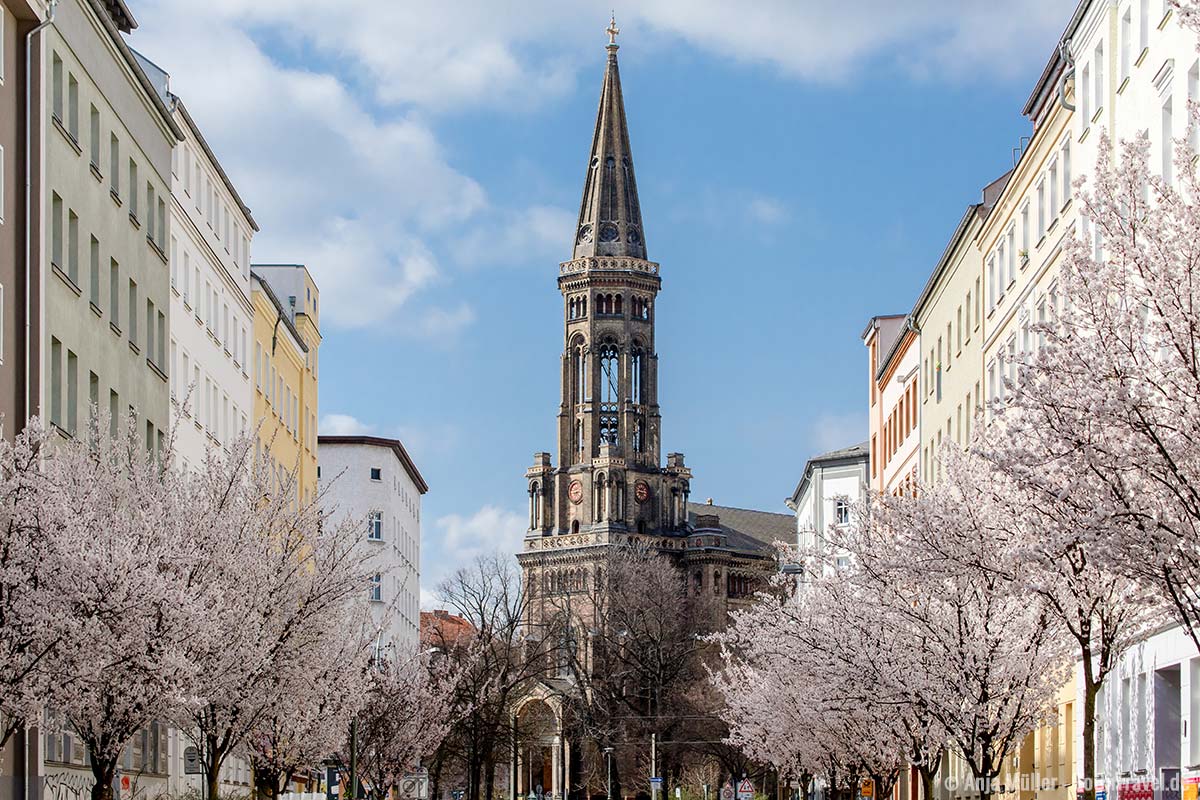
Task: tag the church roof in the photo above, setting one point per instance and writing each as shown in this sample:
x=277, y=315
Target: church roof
x=610, y=216
x=746, y=529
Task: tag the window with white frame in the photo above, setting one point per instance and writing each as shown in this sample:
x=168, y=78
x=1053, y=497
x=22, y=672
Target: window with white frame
x=1066, y=172
x=1085, y=96
x=841, y=511
x=1012, y=253
x=1167, y=142
x=1054, y=190
x=375, y=526
x=376, y=590
x=1041, y=209
x=1193, y=94
x=1143, y=26
x=1126, y=43
x=1098, y=60
x=991, y=283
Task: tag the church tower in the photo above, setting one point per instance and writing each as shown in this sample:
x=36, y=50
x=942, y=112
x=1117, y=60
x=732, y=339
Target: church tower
x=610, y=481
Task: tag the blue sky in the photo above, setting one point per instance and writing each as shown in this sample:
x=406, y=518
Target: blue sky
x=801, y=165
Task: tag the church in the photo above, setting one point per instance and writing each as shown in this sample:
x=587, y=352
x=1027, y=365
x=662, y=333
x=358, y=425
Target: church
x=610, y=488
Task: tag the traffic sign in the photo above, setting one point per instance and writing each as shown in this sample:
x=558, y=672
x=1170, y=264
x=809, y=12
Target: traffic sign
x=727, y=792
x=415, y=786
x=656, y=781
x=745, y=789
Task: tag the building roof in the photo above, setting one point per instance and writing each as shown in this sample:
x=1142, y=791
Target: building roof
x=284, y=316
x=104, y=10
x=441, y=627
x=195, y=129
x=378, y=441
x=845, y=455
x=889, y=331
x=610, y=216
x=746, y=529
x=121, y=16
x=1055, y=66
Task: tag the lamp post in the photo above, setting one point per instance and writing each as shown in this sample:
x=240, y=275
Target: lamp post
x=608, y=751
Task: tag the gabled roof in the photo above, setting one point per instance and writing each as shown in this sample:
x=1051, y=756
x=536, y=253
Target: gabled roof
x=846, y=455
x=378, y=441
x=610, y=216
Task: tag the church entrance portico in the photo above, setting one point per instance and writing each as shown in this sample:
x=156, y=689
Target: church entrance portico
x=542, y=754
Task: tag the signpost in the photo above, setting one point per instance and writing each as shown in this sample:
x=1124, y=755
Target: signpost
x=727, y=792
x=191, y=761
x=745, y=789
x=415, y=786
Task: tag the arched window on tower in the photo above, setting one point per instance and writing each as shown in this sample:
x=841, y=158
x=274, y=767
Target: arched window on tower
x=598, y=510
x=579, y=440
x=639, y=437
x=617, y=305
x=579, y=370
x=610, y=383
x=636, y=361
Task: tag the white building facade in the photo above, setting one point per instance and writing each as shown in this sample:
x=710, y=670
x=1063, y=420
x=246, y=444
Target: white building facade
x=373, y=479
x=832, y=484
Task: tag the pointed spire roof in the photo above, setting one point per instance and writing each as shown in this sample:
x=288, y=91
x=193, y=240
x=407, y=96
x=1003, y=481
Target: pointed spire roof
x=610, y=216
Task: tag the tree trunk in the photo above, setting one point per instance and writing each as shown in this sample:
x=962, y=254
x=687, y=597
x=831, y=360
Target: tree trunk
x=489, y=778
x=266, y=784
x=103, y=771
x=927, y=774
x=1090, y=690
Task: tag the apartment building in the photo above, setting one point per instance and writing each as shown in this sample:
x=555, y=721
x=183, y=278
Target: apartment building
x=287, y=337
x=892, y=357
x=374, y=481
x=99, y=289
x=209, y=258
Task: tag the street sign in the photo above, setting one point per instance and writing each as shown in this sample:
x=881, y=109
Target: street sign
x=678, y=792
x=745, y=789
x=656, y=781
x=415, y=786
x=191, y=761
x=867, y=789
x=727, y=792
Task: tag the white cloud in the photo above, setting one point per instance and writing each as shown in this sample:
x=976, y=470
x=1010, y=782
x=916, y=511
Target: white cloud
x=488, y=530
x=341, y=163
x=443, y=323
x=535, y=233
x=347, y=190
x=343, y=425
x=823, y=41
x=835, y=431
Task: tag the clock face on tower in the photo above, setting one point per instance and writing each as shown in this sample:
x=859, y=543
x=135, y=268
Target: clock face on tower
x=641, y=491
x=575, y=492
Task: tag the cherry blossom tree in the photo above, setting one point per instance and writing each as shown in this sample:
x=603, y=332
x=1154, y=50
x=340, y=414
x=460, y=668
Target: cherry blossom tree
x=315, y=696
x=119, y=524
x=286, y=576
x=985, y=658
x=408, y=709
x=30, y=636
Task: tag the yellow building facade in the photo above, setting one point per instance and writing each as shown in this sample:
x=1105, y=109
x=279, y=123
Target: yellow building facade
x=287, y=339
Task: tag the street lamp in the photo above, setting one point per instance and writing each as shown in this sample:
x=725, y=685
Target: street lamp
x=608, y=751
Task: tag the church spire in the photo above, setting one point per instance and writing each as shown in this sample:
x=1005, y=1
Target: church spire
x=610, y=217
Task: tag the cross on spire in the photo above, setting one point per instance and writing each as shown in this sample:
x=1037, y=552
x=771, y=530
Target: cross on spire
x=612, y=30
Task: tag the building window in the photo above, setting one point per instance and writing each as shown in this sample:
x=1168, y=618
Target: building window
x=375, y=526
x=94, y=131
x=133, y=311
x=376, y=474
x=94, y=272
x=73, y=246
x=56, y=230
x=114, y=164
x=1126, y=43
x=57, y=77
x=841, y=511
x=73, y=107
x=133, y=182
x=114, y=291
x=376, y=588
x=1168, y=143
